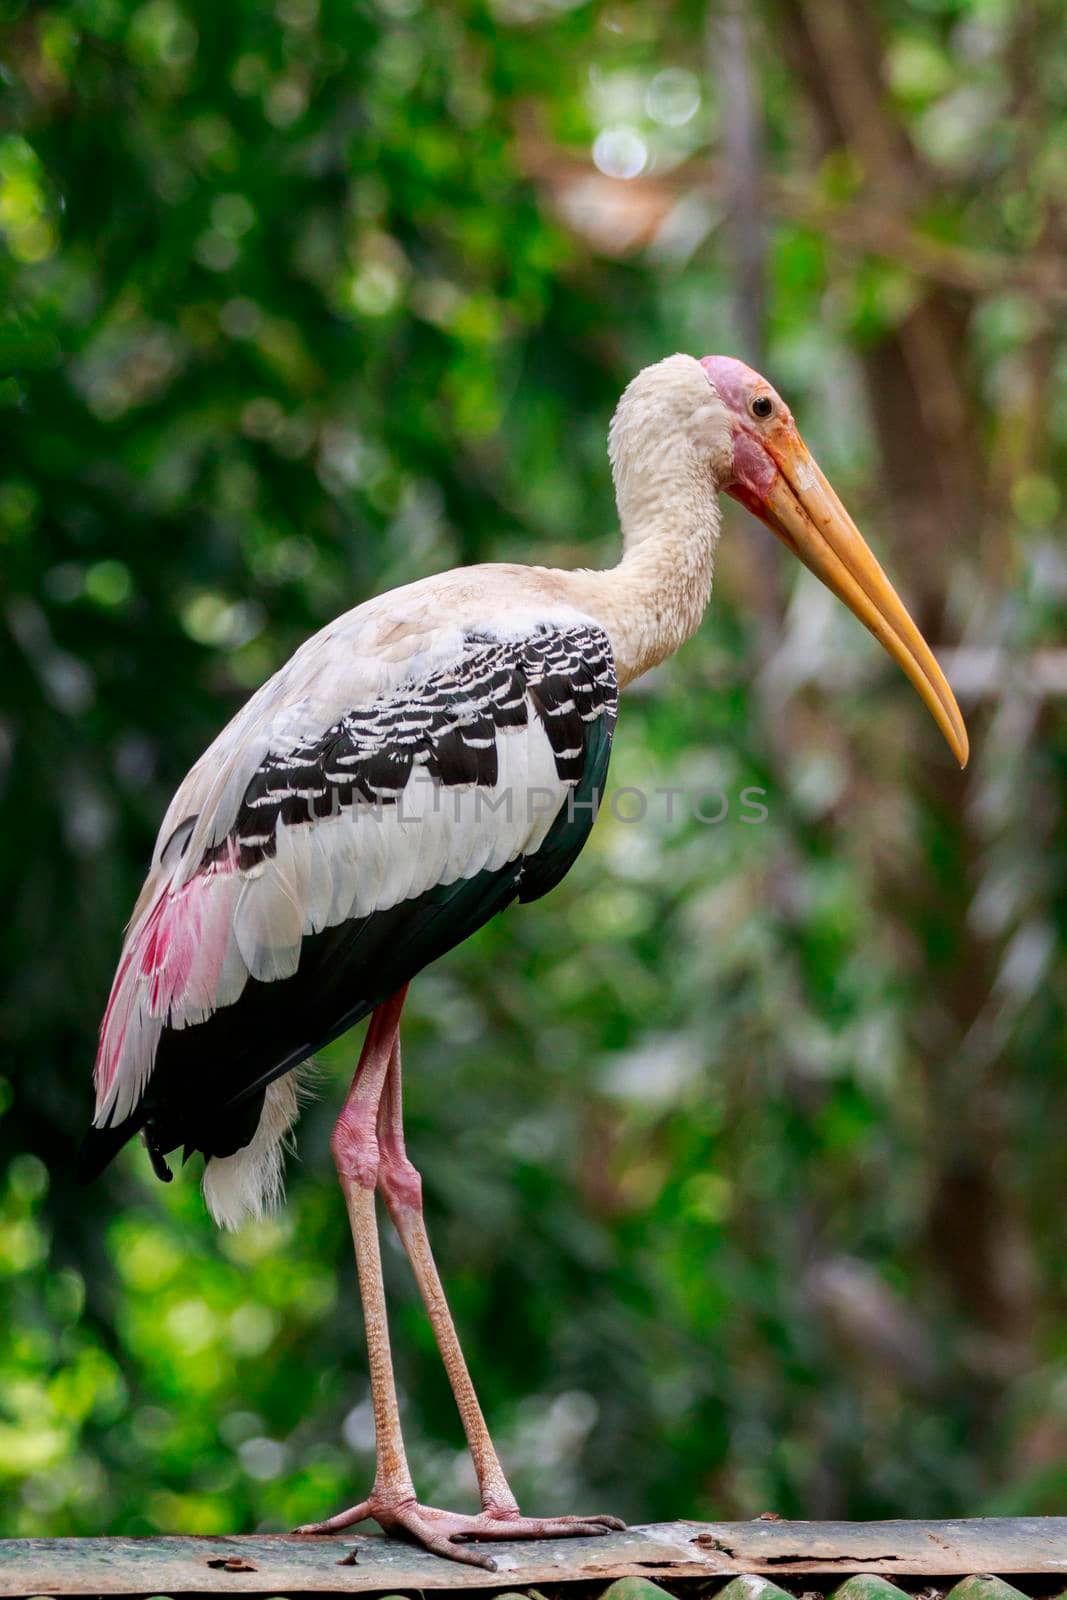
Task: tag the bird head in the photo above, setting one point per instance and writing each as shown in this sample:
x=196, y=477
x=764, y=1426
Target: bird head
x=773, y=474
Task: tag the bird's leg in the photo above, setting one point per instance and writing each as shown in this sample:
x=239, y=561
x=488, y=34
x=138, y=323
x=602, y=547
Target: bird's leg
x=354, y=1146
x=401, y=1187
x=368, y=1150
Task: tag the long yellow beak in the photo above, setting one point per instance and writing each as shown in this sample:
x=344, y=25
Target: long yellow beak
x=800, y=506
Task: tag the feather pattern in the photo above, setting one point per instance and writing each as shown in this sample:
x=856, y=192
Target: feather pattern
x=425, y=757
x=330, y=843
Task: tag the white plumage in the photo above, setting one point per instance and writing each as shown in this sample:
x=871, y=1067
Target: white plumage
x=236, y=890
x=405, y=776
x=198, y=935
x=248, y=1184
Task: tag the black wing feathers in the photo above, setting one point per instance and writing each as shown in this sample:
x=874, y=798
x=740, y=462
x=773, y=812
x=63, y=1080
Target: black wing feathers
x=447, y=726
x=208, y=1081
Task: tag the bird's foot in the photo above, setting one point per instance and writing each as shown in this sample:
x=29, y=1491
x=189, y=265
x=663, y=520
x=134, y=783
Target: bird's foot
x=446, y=1533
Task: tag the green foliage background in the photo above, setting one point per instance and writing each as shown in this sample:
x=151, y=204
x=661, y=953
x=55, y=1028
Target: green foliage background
x=744, y=1151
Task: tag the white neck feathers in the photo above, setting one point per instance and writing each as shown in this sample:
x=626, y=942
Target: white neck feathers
x=670, y=448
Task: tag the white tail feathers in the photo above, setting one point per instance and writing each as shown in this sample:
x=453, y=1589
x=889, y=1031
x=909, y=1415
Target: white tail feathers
x=247, y=1185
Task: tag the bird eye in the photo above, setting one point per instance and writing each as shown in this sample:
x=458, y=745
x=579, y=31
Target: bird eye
x=762, y=406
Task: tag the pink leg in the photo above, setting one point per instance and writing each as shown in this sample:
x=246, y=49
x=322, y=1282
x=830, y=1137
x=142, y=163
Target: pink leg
x=401, y=1188
x=354, y=1147
x=368, y=1151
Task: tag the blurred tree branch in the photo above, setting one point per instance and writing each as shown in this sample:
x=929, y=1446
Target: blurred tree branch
x=929, y=421
x=640, y=206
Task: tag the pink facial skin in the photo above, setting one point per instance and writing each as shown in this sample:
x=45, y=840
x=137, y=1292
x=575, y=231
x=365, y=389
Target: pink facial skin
x=755, y=468
x=733, y=380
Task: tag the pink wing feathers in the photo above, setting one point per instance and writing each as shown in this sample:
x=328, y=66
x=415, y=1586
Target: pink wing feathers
x=179, y=963
x=278, y=831
x=201, y=923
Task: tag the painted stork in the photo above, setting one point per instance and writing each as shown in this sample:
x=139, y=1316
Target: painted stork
x=422, y=762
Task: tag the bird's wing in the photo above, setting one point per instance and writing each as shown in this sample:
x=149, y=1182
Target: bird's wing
x=352, y=784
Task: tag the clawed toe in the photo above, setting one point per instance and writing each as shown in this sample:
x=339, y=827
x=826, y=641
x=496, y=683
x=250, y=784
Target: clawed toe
x=450, y=1546
x=343, y=1519
x=451, y=1534
x=503, y=1528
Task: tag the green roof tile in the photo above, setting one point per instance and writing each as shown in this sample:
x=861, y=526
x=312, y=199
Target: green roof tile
x=984, y=1586
x=631, y=1589
x=866, y=1586
x=751, y=1587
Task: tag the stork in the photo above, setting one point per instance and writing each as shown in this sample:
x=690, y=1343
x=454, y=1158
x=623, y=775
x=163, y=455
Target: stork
x=420, y=763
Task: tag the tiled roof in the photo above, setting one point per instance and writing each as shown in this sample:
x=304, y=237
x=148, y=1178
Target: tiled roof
x=768, y=1559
